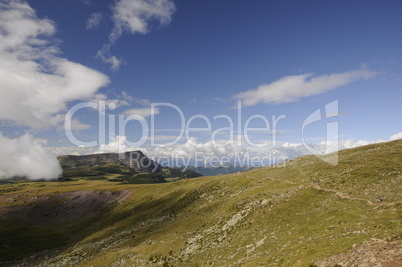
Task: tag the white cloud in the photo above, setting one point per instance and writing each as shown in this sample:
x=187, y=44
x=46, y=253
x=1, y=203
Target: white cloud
x=126, y=97
x=117, y=145
x=25, y=156
x=70, y=150
x=112, y=60
x=164, y=137
x=76, y=125
x=36, y=84
x=32, y=72
x=134, y=16
x=94, y=20
x=144, y=112
x=396, y=136
x=292, y=88
x=118, y=102
x=143, y=102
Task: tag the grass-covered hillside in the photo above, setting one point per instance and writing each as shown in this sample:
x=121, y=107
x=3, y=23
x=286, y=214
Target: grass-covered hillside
x=112, y=173
x=265, y=217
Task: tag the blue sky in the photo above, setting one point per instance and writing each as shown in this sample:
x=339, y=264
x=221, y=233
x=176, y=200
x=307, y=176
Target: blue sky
x=278, y=57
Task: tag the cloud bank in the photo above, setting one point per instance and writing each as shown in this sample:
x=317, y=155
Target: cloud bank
x=25, y=156
x=134, y=16
x=293, y=88
x=209, y=154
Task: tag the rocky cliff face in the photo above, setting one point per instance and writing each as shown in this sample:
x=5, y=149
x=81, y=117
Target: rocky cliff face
x=133, y=159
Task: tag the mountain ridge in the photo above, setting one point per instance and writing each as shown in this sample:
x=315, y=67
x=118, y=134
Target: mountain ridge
x=135, y=160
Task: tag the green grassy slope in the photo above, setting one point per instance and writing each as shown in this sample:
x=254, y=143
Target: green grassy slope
x=264, y=217
x=112, y=172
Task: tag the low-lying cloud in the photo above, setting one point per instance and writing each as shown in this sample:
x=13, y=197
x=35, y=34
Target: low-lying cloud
x=209, y=154
x=25, y=156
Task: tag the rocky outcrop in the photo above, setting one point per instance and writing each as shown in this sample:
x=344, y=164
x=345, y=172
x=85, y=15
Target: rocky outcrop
x=135, y=160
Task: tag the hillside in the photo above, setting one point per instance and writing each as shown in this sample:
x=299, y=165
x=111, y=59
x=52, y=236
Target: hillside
x=218, y=170
x=278, y=216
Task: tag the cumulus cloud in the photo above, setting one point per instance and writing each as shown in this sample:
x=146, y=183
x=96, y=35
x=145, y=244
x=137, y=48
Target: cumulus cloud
x=32, y=72
x=94, y=20
x=36, y=84
x=292, y=88
x=26, y=157
x=117, y=145
x=134, y=16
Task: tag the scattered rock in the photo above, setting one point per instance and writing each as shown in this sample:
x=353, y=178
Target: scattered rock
x=376, y=252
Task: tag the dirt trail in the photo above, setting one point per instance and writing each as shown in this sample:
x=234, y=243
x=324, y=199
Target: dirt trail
x=343, y=195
